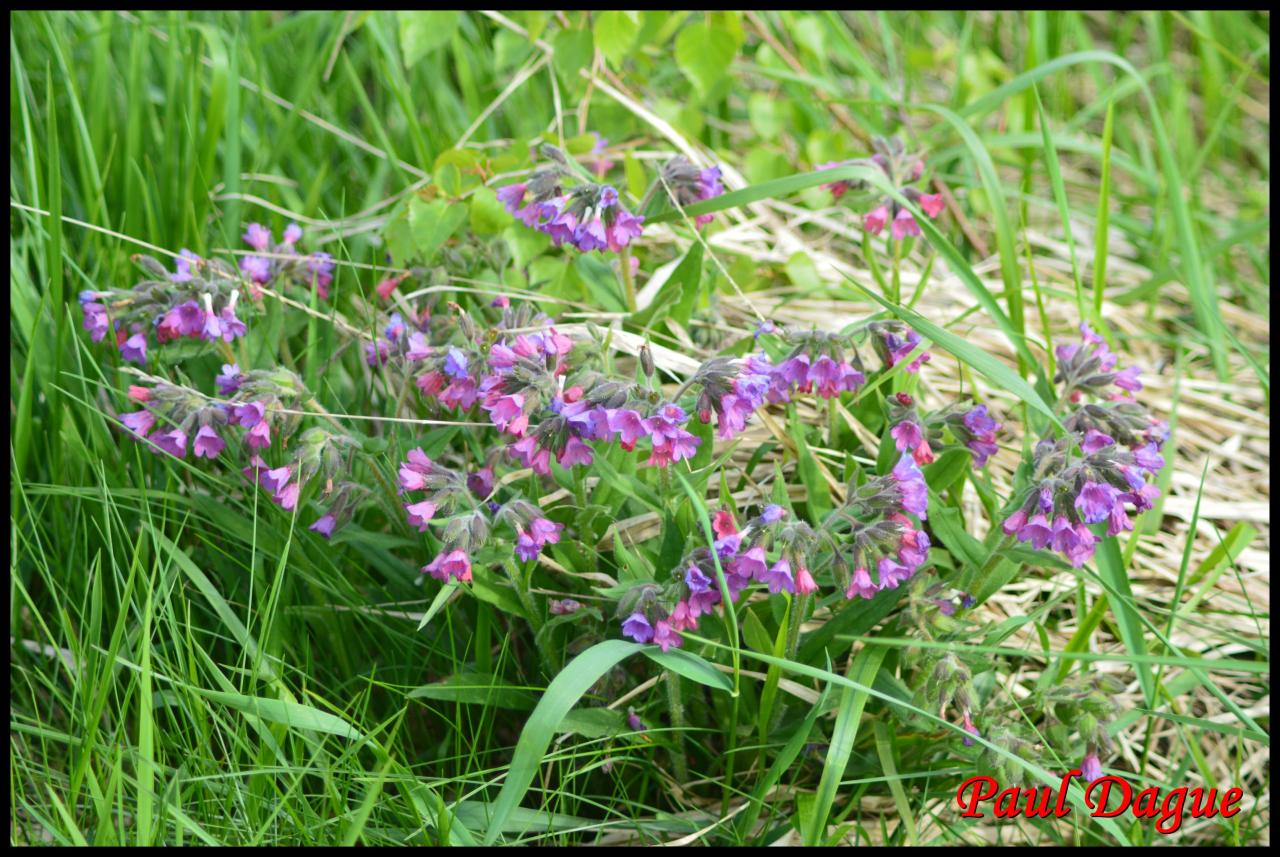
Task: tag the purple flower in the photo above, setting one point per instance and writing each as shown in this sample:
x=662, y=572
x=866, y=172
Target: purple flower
x=230, y=379
x=135, y=349
x=1148, y=458
x=173, y=442
x=96, y=321
x=772, y=513
x=231, y=325
x=904, y=224
x=1118, y=520
x=480, y=483
x=256, y=268
x=182, y=264
x=420, y=513
x=511, y=196
x=325, y=523
x=709, y=186
x=624, y=228
x=1037, y=530
x=249, y=414
x=321, y=267
x=1095, y=441
x=628, y=425
x=287, y=496
x=665, y=635
x=259, y=436
x=637, y=627
x=751, y=565
x=634, y=723
x=1095, y=500
x=455, y=564
x=892, y=574
x=545, y=531
x=860, y=585
x=1127, y=379
x=574, y=452
x=780, y=578
x=455, y=363
x=979, y=422
x=139, y=422
x=275, y=479
x=915, y=493
x=526, y=548
x=258, y=236
x=377, y=353
x=1091, y=767
x=971, y=729
x=906, y=436
x=292, y=233
x=696, y=580
x=1014, y=522
x=207, y=443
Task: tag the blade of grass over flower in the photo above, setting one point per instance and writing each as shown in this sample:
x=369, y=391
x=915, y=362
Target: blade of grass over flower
x=993, y=369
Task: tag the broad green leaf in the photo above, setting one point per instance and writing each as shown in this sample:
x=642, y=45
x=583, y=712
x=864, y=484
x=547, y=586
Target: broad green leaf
x=704, y=53
x=432, y=224
x=615, y=33
x=423, y=32
x=690, y=666
x=562, y=694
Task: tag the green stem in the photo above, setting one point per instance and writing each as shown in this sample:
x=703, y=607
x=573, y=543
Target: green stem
x=628, y=281
x=675, y=705
x=522, y=592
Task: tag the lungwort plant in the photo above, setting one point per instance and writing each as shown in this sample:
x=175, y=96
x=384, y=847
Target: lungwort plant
x=508, y=447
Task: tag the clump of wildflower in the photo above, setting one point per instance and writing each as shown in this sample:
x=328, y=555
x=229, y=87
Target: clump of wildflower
x=902, y=170
x=571, y=209
x=1107, y=464
x=687, y=184
x=198, y=301
x=894, y=342
x=282, y=261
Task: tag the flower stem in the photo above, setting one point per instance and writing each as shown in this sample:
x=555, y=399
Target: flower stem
x=675, y=705
x=628, y=281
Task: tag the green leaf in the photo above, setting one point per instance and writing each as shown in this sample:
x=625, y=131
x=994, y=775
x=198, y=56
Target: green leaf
x=679, y=294
x=615, y=33
x=562, y=694
x=423, y=32
x=862, y=669
x=573, y=52
x=704, y=53
x=995, y=371
x=1111, y=569
x=478, y=688
x=690, y=666
x=488, y=216
x=292, y=714
x=432, y=224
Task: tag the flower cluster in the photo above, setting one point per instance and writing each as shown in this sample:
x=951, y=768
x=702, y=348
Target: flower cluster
x=283, y=261
x=970, y=425
x=461, y=502
x=198, y=301
x=902, y=170
x=1100, y=468
x=870, y=544
x=584, y=214
x=687, y=184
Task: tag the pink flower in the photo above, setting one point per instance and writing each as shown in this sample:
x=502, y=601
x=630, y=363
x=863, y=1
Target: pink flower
x=874, y=220
x=207, y=443
x=420, y=513
x=455, y=564
x=904, y=224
